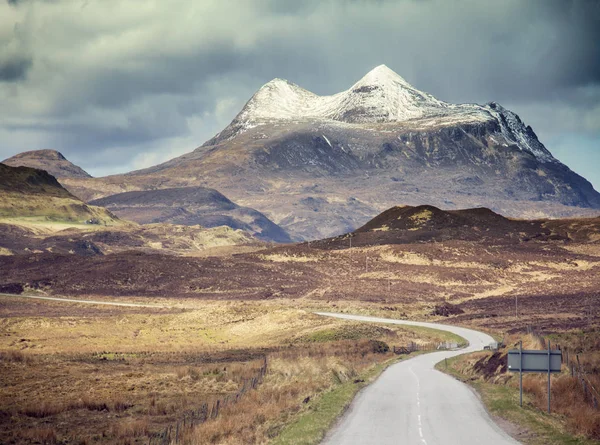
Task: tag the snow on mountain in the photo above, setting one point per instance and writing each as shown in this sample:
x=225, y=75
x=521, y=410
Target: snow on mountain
x=514, y=130
x=381, y=96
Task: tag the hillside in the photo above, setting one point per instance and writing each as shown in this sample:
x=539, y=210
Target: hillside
x=428, y=224
x=50, y=160
x=25, y=239
x=191, y=206
x=28, y=193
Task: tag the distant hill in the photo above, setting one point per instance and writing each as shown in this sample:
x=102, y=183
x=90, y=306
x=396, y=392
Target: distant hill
x=50, y=160
x=35, y=194
x=408, y=224
x=191, y=206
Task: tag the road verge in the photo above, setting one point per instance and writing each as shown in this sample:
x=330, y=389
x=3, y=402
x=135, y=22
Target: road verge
x=528, y=424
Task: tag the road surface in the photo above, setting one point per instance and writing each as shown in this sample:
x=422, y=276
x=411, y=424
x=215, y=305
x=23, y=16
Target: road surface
x=72, y=300
x=412, y=403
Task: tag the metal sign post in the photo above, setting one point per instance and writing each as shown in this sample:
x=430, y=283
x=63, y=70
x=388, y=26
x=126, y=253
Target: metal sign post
x=521, y=373
x=549, y=364
x=521, y=361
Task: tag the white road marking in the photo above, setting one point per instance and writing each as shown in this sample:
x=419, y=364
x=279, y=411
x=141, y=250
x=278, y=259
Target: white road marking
x=419, y=423
x=454, y=416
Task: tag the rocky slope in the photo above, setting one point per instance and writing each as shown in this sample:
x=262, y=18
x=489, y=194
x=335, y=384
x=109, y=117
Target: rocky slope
x=191, y=206
x=50, y=160
x=28, y=193
x=324, y=165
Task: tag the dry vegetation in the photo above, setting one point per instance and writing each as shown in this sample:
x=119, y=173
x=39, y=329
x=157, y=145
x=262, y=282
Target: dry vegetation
x=229, y=311
x=573, y=411
x=99, y=374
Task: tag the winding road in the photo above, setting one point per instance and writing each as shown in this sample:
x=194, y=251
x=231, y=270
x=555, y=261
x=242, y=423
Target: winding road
x=412, y=403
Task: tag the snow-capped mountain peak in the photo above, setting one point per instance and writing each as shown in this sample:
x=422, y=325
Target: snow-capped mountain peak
x=381, y=96
x=384, y=96
x=382, y=75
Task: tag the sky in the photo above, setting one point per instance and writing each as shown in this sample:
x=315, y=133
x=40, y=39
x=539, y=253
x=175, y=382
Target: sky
x=123, y=85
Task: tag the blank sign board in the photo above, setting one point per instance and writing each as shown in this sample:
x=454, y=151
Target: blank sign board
x=534, y=361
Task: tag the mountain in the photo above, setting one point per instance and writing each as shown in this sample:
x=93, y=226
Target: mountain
x=191, y=206
x=320, y=166
x=382, y=96
x=50, y=160
x=32, y=194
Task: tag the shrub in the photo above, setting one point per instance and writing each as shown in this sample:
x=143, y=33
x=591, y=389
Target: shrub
x=379, y=347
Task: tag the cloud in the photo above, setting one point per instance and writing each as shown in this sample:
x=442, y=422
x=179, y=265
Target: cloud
x=123, y=84
x=14, y=69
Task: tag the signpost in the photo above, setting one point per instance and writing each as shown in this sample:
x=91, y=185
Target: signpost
x=521, y=361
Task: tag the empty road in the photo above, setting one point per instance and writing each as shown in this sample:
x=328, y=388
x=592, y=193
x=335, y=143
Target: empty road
x=72, y=300
x=412, y=403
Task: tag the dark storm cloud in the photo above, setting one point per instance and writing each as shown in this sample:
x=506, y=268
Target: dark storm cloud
x=14, y=69
x=159, y=78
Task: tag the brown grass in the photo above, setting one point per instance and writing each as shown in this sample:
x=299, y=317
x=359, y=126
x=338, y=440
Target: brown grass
x=127, y=428
x=15, y=356
x=42, y=409
x=295, y=375
x=116, y=375
x=42, y=435
x=567, y=400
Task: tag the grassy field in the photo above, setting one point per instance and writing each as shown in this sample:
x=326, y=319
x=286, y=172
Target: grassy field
x=102, y=374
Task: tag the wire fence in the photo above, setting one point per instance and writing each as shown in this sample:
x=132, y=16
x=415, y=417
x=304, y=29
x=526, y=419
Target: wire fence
x=578, y=371
x=575, y=367
x=174, y=434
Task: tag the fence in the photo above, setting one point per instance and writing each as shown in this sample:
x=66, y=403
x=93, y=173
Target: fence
x=590, y=393
x=173, y=434
x=413, y=347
